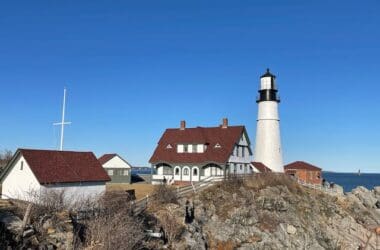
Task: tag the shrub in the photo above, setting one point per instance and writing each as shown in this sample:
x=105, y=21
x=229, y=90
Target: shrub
x=114, y=226
x=172, y=228
x=164, y=194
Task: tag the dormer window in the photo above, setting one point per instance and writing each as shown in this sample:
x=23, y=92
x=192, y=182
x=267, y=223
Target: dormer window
x=217, y=145
x=169, y=146
x=185, y=148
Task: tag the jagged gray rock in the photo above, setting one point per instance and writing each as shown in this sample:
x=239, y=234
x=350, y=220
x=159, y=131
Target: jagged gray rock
x=277, y=218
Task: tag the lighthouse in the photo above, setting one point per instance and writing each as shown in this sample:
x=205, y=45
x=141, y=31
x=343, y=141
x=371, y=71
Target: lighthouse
x=268, y=140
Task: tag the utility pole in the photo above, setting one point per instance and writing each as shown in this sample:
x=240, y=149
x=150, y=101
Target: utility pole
x=62, y=123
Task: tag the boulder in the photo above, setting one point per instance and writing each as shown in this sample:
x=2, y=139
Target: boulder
x=376, y=190
x=338, y=189
x=365, y=196
x=377, y=204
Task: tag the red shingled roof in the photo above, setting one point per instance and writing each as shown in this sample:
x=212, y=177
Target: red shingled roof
x=106, y=157
x=51, y=166
x=225, y=137
x=261, y=167
x=301, y=165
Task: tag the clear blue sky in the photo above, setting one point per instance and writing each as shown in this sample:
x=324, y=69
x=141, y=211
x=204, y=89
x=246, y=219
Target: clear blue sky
x=134, y=69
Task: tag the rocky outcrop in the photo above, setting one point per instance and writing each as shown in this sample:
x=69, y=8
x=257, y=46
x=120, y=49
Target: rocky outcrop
x=50, y=232
x=279, y=217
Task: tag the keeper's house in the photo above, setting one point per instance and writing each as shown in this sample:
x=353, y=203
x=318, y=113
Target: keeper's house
x=192, y=154
x=117, y=168
x=32, y=173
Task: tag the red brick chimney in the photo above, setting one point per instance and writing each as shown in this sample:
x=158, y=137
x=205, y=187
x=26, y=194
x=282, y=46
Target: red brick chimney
x=183, y=125
x=225, y=123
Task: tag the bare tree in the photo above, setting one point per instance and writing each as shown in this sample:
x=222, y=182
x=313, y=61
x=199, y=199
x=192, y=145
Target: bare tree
x=5, y=157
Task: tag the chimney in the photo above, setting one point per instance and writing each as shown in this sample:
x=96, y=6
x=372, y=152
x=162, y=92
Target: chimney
x=183, y=125
x=225, y=123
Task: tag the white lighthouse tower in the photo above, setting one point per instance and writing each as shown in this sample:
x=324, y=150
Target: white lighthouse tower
x=268, y=141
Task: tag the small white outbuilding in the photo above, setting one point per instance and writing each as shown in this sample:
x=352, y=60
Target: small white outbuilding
x=118, y=169
x=32, y=172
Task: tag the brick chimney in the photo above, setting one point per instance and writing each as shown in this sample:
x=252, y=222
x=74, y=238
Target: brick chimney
x=183, y=125
x=225, y=123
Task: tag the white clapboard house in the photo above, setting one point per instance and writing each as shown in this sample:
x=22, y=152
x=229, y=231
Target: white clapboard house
x=34, y=172
x=117, y=168
x=192, y=154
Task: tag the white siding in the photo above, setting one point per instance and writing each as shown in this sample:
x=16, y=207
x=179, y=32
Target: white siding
x=116, y=162
x=19, y=183
x=77, y=191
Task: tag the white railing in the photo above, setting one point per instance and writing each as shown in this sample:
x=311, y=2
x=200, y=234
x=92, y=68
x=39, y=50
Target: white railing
x=319, y=187
x=141, y=204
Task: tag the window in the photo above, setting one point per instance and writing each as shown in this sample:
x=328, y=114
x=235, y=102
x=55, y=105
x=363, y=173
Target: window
x=185, y=148
x=125, y=172
x=22, y=165
x=166, y=170
x=185, y=171
x=169, y=146
x=195, y=171
x=241, y=167
x=242, y=151
x=177, y=171
x=195, y=148
x=237, y=150
x=217, y=145
x=110, y=172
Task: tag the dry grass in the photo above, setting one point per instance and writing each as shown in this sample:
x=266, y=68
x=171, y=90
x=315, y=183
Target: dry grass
x=141, y=190
x=263, y=180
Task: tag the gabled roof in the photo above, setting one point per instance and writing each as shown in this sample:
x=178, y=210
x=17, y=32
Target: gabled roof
x=107, y=157
x=50, y=166
x=301, y=165
x=261, y=167
x=210, y=136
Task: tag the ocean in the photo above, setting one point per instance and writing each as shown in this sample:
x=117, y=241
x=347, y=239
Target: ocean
x=350, y=181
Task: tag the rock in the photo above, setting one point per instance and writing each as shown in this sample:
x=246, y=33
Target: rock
x=377, y=204
x=291, y=229
x=365, y=196
x=234, y=196
x=377, y=190
x=338, y=189
x=50, y=231
x=34, y=240
x=28, y=233
x=47, y=224
x=359, y=189
x=378, y=231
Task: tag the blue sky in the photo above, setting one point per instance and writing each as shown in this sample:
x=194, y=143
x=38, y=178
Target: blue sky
x=135, y=68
